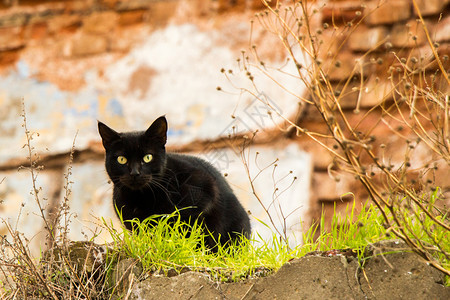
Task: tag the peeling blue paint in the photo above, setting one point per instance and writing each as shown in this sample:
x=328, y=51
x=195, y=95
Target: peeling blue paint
x=23, y=69
x=172, y=132
x=115, y=107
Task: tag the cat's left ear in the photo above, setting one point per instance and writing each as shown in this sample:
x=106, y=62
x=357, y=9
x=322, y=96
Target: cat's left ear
x=108, y=135
x=158, y=130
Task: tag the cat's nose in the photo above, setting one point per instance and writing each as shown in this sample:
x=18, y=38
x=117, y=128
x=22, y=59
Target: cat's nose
x=135, y=171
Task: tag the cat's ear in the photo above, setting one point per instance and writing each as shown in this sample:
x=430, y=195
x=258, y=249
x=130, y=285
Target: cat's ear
x=108, y=135
x=158, y=130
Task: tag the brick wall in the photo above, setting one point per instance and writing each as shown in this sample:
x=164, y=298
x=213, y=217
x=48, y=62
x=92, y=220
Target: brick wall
x=75, y=28
x=379, y=35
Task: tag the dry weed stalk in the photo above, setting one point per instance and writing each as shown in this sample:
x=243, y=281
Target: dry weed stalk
x=274, y=207
x=60, y=272
x=418, y=113
x=241, y=144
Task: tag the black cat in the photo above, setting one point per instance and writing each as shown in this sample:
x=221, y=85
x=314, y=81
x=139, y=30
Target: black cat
x=149, y=181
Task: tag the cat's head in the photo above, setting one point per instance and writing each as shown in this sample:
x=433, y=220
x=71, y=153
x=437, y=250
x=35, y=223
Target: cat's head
x=134, y=159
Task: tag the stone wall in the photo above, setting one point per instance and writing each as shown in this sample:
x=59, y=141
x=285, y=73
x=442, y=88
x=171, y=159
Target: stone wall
x=127, y=62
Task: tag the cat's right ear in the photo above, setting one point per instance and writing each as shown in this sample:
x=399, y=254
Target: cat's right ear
x=158, y=130
x=108, y=135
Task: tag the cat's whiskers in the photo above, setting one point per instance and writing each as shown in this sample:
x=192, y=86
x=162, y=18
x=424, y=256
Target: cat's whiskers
x=161, y=187
x=148, y=185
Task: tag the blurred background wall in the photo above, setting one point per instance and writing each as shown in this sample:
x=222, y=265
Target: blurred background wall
x=128, y=62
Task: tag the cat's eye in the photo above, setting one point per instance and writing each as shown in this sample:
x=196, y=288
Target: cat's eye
x=122, y=160
x=148, y=158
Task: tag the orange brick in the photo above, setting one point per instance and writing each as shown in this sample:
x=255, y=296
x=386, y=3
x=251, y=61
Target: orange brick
x=425, y=57
x=11, y=38
x=347, y=97
x=409, y=35
x=87, y=44
x=322, y=158
x=365, y=39
x=326, y=188
x=63, y=22
x=109, y=3
x=387, y=12
x=100, y=23
x=342, y=12
x=375, y=92
x=37, y=31
x=161, y=12
x=442, y=30
x=331, y=43
x=9, y=57
x=132, y=17
x=257, y=4
x=430, y=7
x=345, y=64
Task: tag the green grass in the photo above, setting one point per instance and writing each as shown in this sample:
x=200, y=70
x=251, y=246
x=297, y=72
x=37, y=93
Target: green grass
x=167, y=244
x=423, y=229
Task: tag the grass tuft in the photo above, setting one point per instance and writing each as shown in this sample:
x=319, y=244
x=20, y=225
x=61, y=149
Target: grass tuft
x=164, y=243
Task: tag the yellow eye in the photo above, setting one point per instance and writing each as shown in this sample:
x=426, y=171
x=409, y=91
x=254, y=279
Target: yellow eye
x=122, y=160
x=148, y=158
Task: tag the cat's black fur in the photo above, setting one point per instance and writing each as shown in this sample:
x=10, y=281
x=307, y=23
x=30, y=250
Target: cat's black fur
x=168, y=182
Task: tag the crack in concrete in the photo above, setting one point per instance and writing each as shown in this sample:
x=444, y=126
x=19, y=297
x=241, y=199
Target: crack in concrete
x=248, y=291
x=358, y=273
x=346, y=264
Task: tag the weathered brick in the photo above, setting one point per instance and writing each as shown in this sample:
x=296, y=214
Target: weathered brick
x=239, y=4
x=409, y=35
x=420, y=57
x=345, y=64
x=443, y=51
x=79, y=6
x=63, y=22
x=342, y=12
x=365, y=39
x=11, y=19
x=161, y=12
x=36, y=31
x=43, y=12
x=133, y=4
x=132, y=17
x=120, y=42
x=347, y=95
x=430, y=7
x=321, y=157
x=100, y=22
x=369, y=93
x=331, y=43
x=86, y=44
x=442, y=30
x=257, y=4
x=424, y=57
x=327, y=188
x=9, y=57
x=11, y=38
x=375, y=91
x=220, y=5
x=109, y=3
x=23, y=15
x=387, y=12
